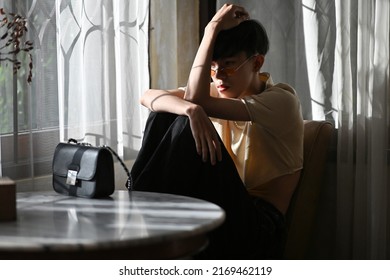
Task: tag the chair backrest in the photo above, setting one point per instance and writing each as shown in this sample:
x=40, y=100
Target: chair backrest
x=302, y=211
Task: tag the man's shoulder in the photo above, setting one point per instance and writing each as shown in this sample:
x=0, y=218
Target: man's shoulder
x=285, y=88
x=279, y=87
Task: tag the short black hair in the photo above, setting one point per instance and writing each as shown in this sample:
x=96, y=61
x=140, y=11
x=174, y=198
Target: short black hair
x=249, y=36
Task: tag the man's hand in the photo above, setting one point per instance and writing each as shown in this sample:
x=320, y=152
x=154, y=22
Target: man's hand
x=205, y=136
x=229, y=16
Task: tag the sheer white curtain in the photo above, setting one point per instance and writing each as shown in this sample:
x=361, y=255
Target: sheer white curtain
x=90, y=68
x=336, y=54
x=363, y=89
x=103, y=69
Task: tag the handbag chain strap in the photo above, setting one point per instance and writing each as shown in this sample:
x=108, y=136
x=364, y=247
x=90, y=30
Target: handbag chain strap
x=129, y=181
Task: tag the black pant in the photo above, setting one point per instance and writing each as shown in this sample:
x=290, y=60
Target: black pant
x=168, y=162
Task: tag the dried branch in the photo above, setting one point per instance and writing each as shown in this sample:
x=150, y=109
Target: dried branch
x=11, y=43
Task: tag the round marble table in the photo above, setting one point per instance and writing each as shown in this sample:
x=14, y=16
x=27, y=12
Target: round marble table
x=136, y=225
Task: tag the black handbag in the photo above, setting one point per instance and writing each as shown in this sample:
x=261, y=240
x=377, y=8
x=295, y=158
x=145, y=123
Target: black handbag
x=82, y=170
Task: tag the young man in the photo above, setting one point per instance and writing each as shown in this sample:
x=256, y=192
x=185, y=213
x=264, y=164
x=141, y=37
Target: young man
x=254, y=172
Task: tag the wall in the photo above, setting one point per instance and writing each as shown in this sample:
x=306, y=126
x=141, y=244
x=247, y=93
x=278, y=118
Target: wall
x=174, y=40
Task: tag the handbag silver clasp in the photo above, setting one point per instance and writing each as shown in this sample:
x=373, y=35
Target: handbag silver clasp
x=71, y=179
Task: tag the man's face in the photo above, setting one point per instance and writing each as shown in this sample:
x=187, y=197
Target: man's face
x=232, y=75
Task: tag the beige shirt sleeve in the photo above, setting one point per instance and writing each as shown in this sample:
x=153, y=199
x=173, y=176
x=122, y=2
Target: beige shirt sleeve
x=276, y=109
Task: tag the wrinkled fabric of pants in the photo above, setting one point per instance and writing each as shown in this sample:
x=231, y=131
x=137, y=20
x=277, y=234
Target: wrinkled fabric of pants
x=168, y=163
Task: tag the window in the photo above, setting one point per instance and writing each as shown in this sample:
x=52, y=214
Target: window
x=90, y=67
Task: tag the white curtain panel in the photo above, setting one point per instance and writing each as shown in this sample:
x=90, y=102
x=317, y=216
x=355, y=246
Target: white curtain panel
x=363, y=91
x=103, y=70
x=336, y=55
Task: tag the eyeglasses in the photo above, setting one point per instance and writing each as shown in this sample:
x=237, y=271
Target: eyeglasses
x=229, y=71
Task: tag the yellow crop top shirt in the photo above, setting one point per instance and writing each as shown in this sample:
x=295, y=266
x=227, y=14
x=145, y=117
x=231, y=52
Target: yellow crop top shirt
x=271, y=144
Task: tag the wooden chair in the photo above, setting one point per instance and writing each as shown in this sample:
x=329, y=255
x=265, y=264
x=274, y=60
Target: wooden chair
x=302, y=211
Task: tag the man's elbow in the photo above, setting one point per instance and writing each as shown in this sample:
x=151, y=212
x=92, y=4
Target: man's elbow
x=143, y=100
x=188, y=96
x=199, y=100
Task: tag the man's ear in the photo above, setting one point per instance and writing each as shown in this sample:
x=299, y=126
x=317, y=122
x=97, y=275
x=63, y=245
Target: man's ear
x=259, y=62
